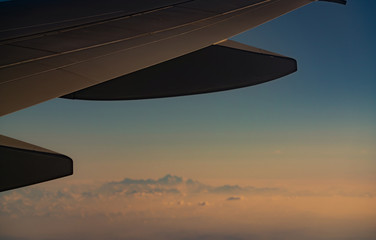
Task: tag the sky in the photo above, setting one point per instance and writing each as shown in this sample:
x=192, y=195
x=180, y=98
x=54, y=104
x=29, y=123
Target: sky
x=293, y=158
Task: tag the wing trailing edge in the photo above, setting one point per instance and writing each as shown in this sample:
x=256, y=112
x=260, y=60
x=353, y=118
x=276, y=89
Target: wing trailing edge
x=223, y=66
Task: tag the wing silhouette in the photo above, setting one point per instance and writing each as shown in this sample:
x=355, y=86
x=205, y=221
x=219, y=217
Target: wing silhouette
x=123, y=49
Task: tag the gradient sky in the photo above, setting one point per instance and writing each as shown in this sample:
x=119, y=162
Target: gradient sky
x=315, y=127
x=318, y=121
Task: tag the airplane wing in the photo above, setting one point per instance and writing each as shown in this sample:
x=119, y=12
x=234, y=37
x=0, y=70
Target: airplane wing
x=122, y=49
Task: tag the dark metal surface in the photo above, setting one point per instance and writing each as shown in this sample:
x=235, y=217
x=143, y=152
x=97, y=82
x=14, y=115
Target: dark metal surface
x=335, y=1
x=114, y=30
x=213, y=6
x=23, y=164
x=26, y=17
x=214, y=68
x=78, y=57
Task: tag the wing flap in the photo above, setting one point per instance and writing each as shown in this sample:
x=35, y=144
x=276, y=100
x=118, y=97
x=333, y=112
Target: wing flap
x=23, y=164
x=224, y=66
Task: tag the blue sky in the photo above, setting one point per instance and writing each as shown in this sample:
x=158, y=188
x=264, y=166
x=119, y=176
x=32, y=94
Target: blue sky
x=308, y=138
x=328, y=103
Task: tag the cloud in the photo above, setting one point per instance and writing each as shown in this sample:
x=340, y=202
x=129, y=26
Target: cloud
x=171, y=184
x=165, y=185
x=228, y=189
x=166, y=180
x=130, y=206
x=234, y=198
x=83, y=200
x=203, y=204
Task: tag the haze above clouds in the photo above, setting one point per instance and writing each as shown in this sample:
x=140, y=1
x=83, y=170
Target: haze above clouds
x=174, y=207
